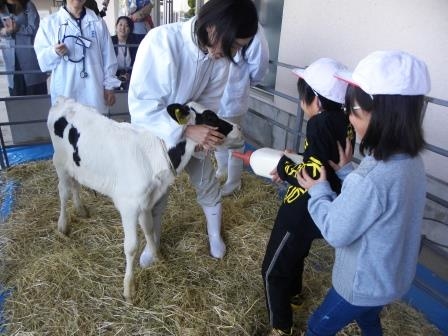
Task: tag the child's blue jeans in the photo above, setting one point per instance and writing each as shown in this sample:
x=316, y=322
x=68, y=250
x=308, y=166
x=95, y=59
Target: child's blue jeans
x=335, y=313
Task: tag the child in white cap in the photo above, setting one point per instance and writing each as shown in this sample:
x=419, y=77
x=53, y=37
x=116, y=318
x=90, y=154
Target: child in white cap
x=321, y=99
x=375, y=223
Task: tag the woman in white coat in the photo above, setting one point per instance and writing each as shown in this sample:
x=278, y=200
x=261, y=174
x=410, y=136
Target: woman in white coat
x=188, y=61
x=247, y=71
x=75, y=45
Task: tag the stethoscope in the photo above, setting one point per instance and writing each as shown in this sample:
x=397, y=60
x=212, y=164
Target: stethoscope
x=79, y=41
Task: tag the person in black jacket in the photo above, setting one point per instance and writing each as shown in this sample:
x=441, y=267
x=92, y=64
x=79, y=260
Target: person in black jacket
x=321, y=98
x=125, y=45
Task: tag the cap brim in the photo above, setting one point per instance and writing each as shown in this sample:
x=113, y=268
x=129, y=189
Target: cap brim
x=298, y=72
x=346, y=76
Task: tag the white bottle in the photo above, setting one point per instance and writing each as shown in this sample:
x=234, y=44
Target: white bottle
x=264, y=160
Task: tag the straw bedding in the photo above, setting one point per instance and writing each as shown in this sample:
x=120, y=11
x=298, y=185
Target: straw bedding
x=73, y=285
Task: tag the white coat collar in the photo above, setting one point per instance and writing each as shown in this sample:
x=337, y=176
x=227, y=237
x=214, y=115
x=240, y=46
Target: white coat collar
x=89, y=16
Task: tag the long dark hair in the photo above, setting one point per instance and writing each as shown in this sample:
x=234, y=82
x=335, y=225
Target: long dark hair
x=231, y=19
x=395, y=123
x=20, y=6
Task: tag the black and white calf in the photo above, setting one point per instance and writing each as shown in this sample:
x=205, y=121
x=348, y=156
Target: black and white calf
x=127, y=163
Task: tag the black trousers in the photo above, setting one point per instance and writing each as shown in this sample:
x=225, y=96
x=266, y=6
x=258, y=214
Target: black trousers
x=282, y=269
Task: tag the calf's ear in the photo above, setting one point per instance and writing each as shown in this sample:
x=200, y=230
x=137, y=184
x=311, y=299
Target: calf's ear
x=179, y=113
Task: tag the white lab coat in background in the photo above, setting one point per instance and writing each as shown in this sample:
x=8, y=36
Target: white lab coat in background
x=245, y=73
x=170, y=68
x=100, y=59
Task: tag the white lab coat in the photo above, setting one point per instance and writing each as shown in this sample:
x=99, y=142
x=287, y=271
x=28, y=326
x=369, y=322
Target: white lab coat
x=170, y=68
x=100, y=59
x=244, y=74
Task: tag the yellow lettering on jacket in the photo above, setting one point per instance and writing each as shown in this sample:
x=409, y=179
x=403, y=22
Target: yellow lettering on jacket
x=294, y=192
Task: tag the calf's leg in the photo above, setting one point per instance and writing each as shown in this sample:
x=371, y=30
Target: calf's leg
x=64, y=187
x=79, y=206
x=129, y=217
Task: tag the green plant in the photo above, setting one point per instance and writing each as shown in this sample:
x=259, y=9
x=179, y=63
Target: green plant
x=191, y=11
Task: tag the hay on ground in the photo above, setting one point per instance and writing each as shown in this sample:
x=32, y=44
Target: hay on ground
x=73, y=285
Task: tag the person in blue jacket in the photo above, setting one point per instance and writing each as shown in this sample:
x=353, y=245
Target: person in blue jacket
x=18, y=26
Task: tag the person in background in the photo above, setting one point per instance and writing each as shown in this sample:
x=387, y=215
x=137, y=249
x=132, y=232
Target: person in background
x=19, y=23
x=244, y=72
x=321, y=99
x=183, y=62
x=75, y=45
x=139, y=11
x=125, y=54
x=375, y=222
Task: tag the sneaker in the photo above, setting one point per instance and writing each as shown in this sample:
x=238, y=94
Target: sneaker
x=279, y=332
x=297, y=302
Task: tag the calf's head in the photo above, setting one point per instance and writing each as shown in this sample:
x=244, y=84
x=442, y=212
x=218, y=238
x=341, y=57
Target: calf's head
x=195, y=114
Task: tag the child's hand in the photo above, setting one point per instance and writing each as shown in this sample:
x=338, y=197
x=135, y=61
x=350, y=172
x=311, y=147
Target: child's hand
x=306, y=181
x=275, y=177
x=345, y=156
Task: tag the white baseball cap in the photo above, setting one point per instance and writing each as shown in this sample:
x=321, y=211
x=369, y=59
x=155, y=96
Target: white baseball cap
x=320, y=75
x=391, y=73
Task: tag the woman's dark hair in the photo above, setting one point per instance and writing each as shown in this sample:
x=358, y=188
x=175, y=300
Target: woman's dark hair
x=395, y=123
x=307, y=94
x=91, y=4
x=16, y=9
x=128, y=20
x=231, y=19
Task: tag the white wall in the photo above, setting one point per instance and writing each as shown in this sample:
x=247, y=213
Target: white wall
x=348, y=30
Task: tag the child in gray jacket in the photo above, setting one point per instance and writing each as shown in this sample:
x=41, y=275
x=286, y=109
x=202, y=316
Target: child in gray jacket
x=375, y=223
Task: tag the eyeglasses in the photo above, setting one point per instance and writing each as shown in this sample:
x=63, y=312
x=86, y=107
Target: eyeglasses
x=352, y=109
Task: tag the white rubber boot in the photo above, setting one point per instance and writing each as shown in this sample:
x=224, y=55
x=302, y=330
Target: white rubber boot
x=221, y=159
x=235, y=170
x=213, y=215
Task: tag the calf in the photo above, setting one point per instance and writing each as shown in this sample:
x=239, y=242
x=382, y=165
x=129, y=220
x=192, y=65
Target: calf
x=125, y=162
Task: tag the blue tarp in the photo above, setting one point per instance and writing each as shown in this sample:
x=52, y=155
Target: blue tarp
x=22, y=154
x=7, y=197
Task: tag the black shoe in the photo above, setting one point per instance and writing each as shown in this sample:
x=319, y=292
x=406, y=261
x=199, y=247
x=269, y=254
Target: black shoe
x=297, y=302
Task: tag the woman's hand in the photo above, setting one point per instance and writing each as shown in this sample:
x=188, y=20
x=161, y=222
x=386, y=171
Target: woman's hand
x=61, y=49
x=109, y=97
x=206, y=136
x=345, y=156
x=306, y=181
